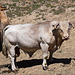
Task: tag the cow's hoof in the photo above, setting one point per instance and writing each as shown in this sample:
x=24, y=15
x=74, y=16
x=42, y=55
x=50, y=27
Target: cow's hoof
x=15, y=70
x=45, y=67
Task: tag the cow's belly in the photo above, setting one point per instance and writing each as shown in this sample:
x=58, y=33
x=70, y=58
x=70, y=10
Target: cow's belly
x=28, y=45
x=29, y=50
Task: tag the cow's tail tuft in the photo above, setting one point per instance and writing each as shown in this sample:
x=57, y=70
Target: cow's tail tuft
x=4, y=50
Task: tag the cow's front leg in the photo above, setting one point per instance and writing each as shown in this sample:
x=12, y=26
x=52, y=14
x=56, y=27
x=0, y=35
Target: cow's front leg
x=51, y=55
x=44, y=48
x=13, y=59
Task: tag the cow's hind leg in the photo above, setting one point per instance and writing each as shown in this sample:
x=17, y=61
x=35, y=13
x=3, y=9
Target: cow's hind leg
x=17, y=51
x=44, y=48
x=12, y=58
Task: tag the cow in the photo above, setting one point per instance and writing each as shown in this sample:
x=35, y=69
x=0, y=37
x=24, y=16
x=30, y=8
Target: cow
x=47, y=36
x=4, y=21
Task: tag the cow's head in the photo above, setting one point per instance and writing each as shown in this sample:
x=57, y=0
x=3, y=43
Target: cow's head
x=64, y=27
x=2, y=8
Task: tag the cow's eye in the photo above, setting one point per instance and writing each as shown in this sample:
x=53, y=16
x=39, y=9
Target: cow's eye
x=53, y=25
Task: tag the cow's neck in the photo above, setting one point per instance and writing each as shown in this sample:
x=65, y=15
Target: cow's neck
x=58, y=38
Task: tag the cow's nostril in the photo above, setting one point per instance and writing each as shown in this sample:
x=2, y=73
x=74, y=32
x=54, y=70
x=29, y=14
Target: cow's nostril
x=65, y=37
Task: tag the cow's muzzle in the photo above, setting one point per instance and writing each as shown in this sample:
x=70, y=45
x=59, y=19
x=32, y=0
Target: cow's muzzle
x=65, y=37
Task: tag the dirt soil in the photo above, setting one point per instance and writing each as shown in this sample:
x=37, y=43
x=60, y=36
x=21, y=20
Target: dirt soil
x=64, y=58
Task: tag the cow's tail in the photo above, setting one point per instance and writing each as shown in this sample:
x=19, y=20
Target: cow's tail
x=1, y=36
x=6, y=28
x=1, y=32
x=4, y=48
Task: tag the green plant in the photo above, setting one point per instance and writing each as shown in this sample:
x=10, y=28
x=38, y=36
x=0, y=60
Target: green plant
x=70, y=6
x=73, y=0
x=58, y=11
x=15, y=0
x=35, y=6
x=48, y=5
x=56, y=1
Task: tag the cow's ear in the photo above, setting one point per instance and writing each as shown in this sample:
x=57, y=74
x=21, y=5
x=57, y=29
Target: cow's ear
x=71, y=25
x=53, y=26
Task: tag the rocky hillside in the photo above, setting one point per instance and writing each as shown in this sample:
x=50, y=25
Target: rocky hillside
x=16, y=8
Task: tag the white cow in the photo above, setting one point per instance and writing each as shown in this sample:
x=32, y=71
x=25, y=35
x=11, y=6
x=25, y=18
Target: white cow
x=31, y=37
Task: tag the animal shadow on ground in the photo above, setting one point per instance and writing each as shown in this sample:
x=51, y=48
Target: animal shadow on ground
x=34, y=62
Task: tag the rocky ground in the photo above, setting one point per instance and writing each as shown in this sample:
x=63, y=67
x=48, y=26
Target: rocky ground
x=64, y=58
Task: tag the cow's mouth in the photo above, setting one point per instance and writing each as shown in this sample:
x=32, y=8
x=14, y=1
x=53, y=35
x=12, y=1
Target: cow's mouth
x=65, y=38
